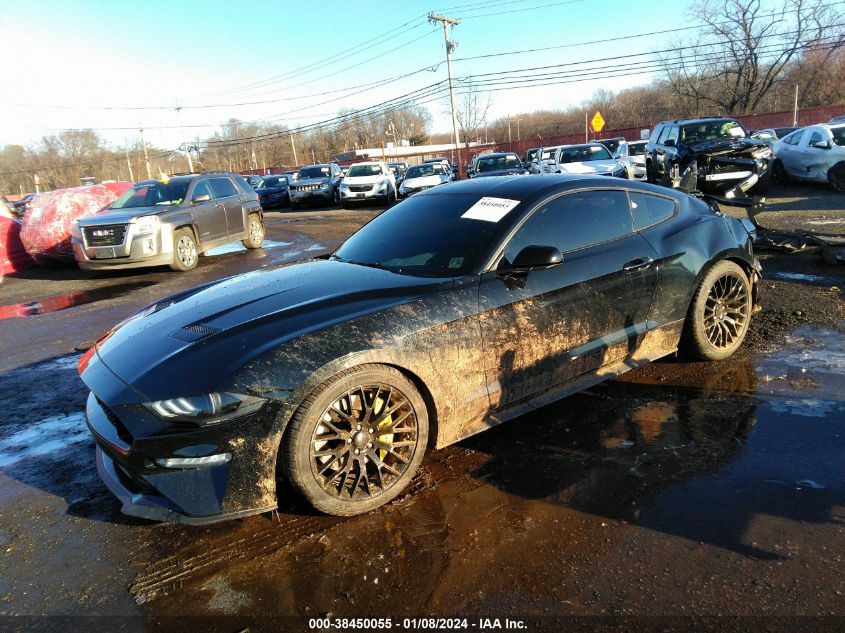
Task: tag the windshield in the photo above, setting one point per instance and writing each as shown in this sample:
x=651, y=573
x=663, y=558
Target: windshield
x=582, y=153
x=530, y=154
x=274, y=181
x=549, y=153
x=424, y=236
x=838, y=135
x=495, y=163
x=711, y=131
x=317, y=171
x=418, y=171
x=364, y=170
x=152, y=194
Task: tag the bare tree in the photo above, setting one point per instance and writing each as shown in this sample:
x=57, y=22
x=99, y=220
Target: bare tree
x=472, y=106
x=744, y=50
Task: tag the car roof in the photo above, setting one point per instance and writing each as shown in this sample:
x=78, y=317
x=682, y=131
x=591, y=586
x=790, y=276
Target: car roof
x=367, y=162
x=497, y=154
x=529, y=188
x=709, y=119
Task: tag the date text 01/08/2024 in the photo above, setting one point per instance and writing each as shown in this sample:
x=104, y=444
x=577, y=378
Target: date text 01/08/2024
x=414, y=624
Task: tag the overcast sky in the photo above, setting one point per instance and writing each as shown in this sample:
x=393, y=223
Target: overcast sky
x=84, y=55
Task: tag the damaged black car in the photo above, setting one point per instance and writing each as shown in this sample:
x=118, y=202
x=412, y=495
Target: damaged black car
x=459, y=308
x=715, y=157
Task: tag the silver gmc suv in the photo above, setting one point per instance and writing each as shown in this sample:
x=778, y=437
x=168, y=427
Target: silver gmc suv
x=170, y=221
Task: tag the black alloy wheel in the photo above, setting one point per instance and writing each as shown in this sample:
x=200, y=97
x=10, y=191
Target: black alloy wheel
x=357, y=441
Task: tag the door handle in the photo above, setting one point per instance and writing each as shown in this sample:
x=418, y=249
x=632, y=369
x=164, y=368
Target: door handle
x=219, y=204
x=638, y=264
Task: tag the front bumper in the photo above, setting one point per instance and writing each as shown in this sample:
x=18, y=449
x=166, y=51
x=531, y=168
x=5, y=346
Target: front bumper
x=195, y=496
x=362, y=196
x=136, y=251
x=313, y=195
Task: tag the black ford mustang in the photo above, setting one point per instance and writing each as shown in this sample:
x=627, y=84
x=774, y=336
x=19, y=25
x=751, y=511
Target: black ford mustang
x=457, y=309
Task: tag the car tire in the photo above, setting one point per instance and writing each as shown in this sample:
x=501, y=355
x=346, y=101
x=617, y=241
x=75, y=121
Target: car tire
x=335, y=197
x=649, y=172
x=254, y=232
x=185, y=251
x=390, y=198
x=719, y=314
x=779, y=173
x=836, y=177
x=343, y=415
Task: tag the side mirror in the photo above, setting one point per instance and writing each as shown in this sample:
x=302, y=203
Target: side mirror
x=820, y=145
x=532, y=257
x=203, y=197
x=669, y=142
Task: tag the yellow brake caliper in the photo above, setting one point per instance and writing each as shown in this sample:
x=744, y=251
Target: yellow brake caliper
x=387, y=438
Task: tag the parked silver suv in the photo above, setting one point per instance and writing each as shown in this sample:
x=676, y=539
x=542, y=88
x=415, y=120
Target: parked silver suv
x=170, y=222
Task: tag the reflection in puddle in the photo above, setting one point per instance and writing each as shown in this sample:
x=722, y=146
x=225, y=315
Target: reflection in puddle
x=69, y=300
x=536, y=505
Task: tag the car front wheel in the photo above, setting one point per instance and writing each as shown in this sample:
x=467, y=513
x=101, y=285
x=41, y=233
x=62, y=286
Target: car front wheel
x=185, y=254
x=720, y=313
x=255, y=232
x=356, y=441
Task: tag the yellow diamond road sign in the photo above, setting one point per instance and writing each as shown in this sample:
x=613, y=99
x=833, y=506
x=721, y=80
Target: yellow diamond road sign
x=598, y=122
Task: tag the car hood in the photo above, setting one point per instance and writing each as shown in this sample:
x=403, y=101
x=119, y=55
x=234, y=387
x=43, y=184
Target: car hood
x=118, y=216
x=589, y=167
x=363, y=180
x=735, y=146
x=272, y=189
x=187, y=343
x=422, y=181
x=310, y=181
x=500, y=172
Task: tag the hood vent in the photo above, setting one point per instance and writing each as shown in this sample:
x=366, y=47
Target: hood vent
x=195, y=332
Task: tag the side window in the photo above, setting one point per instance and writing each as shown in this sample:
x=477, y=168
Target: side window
x=792, y=139
x=202, y=189
x=573, y=221
x=223, y=187
x=648, y=210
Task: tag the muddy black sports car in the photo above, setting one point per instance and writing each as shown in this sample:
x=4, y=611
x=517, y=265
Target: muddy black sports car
x=458, y=309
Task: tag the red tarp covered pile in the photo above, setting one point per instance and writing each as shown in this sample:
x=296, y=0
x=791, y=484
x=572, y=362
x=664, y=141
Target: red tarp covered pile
x=13, y=257
x=46, y=225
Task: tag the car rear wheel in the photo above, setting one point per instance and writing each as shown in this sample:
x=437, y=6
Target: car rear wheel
x=836, y=177
x=185, y=254
x=649, y=172
x=720, y=313
x=356, y=441
x=255, y=232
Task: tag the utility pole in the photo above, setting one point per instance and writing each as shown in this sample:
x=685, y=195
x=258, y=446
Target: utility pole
x=146, y=156
x=129, y=164
x=510, y=139
x=293, y=147
x=795, y=109
x=450, y=46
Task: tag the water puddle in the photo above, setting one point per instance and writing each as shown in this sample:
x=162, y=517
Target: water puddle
x=69, y=300
x=813, y=279
x=238, y=247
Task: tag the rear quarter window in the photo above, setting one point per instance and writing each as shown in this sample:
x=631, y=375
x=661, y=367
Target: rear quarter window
x=648, y=210
x=223, y=187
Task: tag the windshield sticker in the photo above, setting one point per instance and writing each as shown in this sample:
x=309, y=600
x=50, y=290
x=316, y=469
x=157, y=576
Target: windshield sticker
x=490, y=209
x=736, y=131
x=456, y=262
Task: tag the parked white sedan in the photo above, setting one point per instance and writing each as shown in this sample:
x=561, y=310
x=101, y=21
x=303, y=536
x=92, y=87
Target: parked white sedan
x=814, y=153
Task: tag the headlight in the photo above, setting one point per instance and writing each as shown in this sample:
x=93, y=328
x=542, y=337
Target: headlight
x=763, y=152
x=146, y=224
x=344, y=186
x=382, y=186
x=205, y=410
x=75, y=231
x=324, y=186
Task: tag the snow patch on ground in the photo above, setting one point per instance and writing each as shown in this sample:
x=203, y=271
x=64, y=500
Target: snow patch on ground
x=46, y=436
x=237, y=247
x=804, y=407
x=801, y=277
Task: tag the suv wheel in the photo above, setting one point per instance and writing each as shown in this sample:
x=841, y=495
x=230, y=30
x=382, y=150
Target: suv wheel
x=254, y=232
x=649, y=171
x=336, y=197
x=185, y=254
